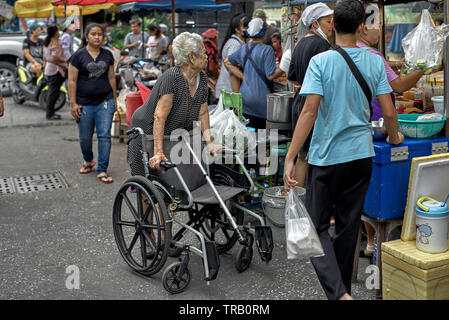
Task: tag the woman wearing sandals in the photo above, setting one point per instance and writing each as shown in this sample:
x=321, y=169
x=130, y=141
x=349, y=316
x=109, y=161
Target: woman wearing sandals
x=92, y=92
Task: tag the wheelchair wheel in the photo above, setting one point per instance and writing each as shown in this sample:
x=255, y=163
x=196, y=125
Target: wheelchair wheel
x=139, y=213
x=215, y=227
x=244, y=255
x=171, y=279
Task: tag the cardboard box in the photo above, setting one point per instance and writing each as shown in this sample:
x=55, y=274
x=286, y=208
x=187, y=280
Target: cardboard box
x=410, y=274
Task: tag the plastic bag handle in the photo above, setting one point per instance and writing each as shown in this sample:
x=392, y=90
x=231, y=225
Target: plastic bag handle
x=423, y=207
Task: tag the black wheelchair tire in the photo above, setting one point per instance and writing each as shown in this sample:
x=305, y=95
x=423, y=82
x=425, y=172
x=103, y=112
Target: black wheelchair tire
x=145, y=185
x=244, y=255
x=222, y=248
x=172, y=270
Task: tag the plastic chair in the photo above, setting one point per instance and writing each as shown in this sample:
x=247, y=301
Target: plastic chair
x=233, y=100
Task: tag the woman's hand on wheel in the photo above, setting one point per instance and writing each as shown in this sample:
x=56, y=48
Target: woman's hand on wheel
x=75, y=111
x=289, y=175
x=155, y=161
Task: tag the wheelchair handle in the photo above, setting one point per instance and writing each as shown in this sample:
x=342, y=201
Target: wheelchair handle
x=135, y=130
x=167, y=165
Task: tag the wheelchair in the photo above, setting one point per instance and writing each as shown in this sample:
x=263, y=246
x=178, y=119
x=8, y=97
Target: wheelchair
x=204, y=201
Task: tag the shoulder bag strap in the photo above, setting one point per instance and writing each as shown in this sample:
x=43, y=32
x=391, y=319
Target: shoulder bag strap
x=356, y=72
x=258, y=71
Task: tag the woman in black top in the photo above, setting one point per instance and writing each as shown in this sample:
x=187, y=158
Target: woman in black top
x=316, y=28
x=93, y=97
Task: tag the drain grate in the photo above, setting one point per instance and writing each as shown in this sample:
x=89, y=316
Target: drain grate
x=32, y=183
x=7, y=186
x=40, y=182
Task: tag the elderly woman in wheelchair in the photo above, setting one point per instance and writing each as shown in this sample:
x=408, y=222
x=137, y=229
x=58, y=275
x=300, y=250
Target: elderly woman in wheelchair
x=171, y=181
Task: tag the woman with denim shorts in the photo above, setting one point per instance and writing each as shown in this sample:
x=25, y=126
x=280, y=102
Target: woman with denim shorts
x=93, y=96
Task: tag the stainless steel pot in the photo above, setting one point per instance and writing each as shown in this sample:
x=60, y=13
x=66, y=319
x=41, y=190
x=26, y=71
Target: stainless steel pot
x=279, y=106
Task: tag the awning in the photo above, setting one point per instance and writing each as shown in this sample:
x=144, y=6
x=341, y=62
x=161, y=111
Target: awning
x=44, y=8
x=180, y=6
x=92, y=2
x=33, y=8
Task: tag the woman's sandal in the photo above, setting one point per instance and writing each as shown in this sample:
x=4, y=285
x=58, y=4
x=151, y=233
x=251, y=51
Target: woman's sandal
x=87, y=168
x=105, y=179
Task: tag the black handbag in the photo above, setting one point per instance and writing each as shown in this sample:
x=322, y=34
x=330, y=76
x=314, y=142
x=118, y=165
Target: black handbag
x=356, y=72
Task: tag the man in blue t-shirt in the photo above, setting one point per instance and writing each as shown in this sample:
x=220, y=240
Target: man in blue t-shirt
x=341, y=147
x=258, y=62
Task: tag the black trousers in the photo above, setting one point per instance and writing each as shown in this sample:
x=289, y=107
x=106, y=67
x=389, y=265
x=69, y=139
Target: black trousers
x=54, y=83
x=337, y=189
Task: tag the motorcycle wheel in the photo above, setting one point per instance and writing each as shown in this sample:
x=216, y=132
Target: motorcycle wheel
x=59, y=102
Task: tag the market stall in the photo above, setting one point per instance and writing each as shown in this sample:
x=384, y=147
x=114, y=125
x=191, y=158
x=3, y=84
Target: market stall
x=391, y=198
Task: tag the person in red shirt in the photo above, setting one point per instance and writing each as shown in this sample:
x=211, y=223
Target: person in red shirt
x=210, y=38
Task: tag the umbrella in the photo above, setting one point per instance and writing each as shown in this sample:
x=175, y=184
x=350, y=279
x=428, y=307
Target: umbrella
x=44, y=8
x=33, y=8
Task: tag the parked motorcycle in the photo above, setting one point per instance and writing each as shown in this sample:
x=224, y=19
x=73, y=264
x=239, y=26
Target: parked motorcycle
x=27, y=86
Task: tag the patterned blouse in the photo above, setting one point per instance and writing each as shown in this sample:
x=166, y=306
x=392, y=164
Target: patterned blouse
x=171, y=81
x=51, y=68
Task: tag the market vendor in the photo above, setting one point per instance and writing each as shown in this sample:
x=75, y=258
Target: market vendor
x=368, y=38
x=178, y=98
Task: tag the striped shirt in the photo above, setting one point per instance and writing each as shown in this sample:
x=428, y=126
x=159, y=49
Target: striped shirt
x=49, y=52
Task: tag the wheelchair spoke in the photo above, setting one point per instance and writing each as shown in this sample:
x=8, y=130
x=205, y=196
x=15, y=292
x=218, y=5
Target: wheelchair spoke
x=139, y=203
x=133, y=242
x=143, y=249
x=149, y=239
x=130, y=206
x=126, y=223
x=152, y=226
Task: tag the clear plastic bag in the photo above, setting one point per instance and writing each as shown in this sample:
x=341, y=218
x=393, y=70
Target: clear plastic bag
x=430, y=117
x=423, y=46
x=302, y=239
x=227, y=130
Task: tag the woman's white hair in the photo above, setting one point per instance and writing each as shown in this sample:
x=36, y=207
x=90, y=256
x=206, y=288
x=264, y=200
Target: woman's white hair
x=183, y=45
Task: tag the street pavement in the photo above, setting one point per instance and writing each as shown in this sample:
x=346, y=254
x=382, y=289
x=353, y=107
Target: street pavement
x=43, y=234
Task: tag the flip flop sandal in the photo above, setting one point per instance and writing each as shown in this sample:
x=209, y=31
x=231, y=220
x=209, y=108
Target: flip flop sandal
x=105, y=179
x=87, y=168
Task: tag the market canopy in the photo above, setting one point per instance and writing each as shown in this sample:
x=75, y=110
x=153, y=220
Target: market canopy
x=180, y=5
x=92, y=2
x=33, y=8
x=44, y=9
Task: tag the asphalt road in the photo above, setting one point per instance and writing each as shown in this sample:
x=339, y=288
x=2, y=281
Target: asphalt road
x=43, y=234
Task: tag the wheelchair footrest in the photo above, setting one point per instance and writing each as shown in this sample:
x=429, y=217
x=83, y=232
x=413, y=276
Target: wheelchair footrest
x=264, y=242
x=213, y=260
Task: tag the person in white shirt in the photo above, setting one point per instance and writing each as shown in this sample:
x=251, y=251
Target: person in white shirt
x=156, y=43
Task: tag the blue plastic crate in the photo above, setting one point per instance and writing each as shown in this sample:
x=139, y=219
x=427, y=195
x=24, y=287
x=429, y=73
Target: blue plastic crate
x=387, y=193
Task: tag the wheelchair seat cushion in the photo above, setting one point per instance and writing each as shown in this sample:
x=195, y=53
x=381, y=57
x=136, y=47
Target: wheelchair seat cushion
x=205, y=194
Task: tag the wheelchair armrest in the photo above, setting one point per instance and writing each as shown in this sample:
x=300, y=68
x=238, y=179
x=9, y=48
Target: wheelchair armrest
x=167, y=165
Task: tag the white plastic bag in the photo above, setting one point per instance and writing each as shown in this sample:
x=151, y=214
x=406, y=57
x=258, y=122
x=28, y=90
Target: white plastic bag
x=423, y=46
x=430, y=117
x=227, y=130
x=302, y=239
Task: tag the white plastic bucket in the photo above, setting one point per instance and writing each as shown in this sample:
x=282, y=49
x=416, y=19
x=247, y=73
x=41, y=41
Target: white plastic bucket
x=432, y=227
x=438, y=104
